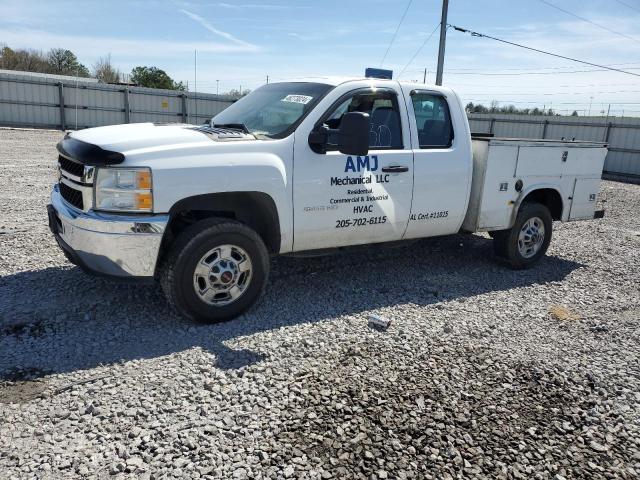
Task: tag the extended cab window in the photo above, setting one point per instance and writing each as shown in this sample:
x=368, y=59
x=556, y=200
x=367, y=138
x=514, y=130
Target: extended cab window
x=433, y=120
x=273, y=110
x=385, y=131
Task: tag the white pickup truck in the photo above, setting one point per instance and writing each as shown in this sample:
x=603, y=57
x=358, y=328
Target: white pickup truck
x=300, y=166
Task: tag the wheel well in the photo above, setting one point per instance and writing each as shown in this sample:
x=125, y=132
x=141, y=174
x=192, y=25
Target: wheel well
x=255, y=209
x=548, y=197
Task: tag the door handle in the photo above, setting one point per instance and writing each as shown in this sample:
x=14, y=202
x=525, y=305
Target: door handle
x=395, y=169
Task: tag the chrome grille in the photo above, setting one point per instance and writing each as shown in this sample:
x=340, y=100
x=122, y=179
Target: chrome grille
x=71, y=195
x=74, y=168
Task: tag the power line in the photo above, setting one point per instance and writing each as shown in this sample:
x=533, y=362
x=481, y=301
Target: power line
x=543, y=68
x=524, y=70
x=589, y=21
x=628, y=6
x=419, y=49
x=476, y=34
x=493, y=85
x=561, y=93
x=544, y=73
x=396, y=32
x=606, y=102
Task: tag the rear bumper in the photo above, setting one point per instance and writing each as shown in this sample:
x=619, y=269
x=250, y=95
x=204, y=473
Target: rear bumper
x=124, y=246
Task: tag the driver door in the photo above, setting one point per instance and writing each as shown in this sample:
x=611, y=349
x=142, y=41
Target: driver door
x=342, y=200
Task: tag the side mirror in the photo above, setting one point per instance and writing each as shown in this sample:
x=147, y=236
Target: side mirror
x=353, y=134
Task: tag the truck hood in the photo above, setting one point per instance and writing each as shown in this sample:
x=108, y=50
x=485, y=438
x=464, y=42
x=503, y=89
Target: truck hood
x=110, y=144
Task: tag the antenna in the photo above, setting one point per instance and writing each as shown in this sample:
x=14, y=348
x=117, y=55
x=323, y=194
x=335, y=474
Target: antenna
x=195, y=81
x=77, y=96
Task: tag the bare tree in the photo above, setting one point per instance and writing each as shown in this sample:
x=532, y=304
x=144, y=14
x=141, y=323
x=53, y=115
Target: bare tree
x=22, y=59
x=104, y=71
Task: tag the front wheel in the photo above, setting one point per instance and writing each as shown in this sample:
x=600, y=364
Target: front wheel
x=528, y=240
x=216, y=270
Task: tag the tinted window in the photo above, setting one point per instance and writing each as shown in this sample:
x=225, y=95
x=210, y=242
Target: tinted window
x=384, y=126
x=273, y=110
x=433, y=120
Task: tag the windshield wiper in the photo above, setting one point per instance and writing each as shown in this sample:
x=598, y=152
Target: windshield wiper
x=233, y=126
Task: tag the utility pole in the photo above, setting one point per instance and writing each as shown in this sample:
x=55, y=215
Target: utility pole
x=267, y=78
x=424, y=78
x=443, y=39
x=195, y=83
x=590, y=101
x=217, y=84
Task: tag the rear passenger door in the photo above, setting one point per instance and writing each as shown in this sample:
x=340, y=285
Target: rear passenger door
x=441, y=166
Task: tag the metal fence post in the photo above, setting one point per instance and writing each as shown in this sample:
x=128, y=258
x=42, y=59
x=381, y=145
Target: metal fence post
x=544, y=129
x=63, y=123
x=607, y=131
x=127, y=106
x=491, y=125
x=185, y=111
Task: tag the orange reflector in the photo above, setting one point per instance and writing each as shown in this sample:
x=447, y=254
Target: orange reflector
x=143, y=179
x=144, y=201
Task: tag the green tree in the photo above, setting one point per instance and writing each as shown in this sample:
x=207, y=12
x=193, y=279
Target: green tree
x=574, y=114
x=154, y=77
x=65, y=62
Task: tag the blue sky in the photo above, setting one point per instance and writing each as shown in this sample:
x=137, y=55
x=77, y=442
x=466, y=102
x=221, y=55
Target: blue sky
x=240, y=43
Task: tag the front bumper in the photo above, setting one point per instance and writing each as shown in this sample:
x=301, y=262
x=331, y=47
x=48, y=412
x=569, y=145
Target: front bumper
x=116, y=245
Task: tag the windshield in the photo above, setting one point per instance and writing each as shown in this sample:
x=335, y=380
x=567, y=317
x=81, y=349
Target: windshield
x=272, y=110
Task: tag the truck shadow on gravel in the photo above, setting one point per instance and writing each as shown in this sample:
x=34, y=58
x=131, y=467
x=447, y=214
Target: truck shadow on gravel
x=59, y=319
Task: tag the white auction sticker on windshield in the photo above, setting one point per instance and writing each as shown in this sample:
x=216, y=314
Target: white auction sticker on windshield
x=303, y=99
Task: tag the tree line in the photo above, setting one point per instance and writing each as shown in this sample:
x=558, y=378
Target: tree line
x=494, y=108
x=59, y=61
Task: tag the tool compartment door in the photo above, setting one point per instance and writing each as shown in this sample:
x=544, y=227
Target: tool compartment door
x=584, y=198
x=587, y=161
x=540, y=161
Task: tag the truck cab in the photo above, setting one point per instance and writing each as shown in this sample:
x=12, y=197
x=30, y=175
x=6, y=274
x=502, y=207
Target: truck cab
x=294, y=166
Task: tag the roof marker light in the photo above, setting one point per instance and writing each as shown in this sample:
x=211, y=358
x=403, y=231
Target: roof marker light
x=378, y=73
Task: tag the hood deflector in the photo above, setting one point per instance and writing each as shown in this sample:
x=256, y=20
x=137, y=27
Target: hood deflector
x=88, y=153
x=224, y=134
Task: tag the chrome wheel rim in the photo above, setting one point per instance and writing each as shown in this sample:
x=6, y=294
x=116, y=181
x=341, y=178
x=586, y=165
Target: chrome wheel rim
x=222, y=275
x=531, y=237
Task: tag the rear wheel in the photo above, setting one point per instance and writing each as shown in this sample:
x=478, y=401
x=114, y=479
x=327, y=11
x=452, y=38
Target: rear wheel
x=528, y=240
x=216, y=270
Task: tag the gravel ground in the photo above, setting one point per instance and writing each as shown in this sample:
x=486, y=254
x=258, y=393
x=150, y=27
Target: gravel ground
x=475, y=378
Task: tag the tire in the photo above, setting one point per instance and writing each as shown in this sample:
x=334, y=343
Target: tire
x=528, y=240
x=205, y=275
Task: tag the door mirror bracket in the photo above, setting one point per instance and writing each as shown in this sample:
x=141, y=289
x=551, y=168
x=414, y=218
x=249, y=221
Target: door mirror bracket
x=318, y=139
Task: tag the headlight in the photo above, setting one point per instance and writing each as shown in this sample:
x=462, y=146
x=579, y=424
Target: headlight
x=124, y=190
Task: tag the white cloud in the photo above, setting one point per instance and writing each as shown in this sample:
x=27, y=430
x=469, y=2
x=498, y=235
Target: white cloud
x=253, y=6
x=205, y=23
x=90, y=47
